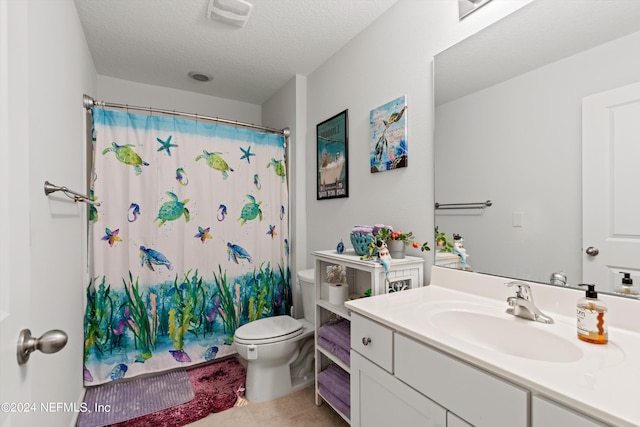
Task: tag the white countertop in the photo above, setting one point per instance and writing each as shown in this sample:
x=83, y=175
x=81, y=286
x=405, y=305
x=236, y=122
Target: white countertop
x=603, y=383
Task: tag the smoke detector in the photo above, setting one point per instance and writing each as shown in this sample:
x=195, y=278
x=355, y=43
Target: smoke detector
x=232, y=12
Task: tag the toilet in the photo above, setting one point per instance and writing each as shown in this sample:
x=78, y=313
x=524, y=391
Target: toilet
x=279, y=350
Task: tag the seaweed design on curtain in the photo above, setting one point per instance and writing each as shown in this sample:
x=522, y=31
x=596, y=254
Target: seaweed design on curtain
x=189, y=242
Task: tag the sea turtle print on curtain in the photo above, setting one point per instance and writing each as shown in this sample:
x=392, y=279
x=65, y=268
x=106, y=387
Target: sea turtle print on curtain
x=190, y=241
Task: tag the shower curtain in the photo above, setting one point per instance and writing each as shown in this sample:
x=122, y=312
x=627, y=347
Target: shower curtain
x=188, y=243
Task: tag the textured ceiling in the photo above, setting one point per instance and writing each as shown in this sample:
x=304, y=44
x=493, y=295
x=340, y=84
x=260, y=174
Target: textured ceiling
x=540, y=33
x=158, y=42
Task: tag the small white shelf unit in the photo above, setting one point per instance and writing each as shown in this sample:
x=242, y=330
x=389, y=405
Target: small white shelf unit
x=406, y=273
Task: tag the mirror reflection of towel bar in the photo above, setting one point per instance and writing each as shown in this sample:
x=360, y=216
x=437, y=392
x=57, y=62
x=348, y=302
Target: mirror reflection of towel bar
x=77, y=197
x=477, y=205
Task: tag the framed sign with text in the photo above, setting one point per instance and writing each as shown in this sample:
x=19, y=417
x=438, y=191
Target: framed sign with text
x=332, y=161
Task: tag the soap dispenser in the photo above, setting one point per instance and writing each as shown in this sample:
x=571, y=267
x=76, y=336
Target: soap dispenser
x=626, y=288
x=590, y=314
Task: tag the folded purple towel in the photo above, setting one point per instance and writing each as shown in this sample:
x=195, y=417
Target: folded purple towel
x=345, y=408
x=341, y=353
x=336, y=380
x=338, y=332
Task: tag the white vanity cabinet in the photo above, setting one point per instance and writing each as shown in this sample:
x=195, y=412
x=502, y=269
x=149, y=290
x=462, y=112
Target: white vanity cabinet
x=397, y=380
x=545, y=413
x=479, y=398
x=361, y=275
x=424, y=385
x=380, y=399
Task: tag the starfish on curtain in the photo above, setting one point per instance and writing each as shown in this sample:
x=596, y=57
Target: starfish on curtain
x=246, y=154
x=166, y=145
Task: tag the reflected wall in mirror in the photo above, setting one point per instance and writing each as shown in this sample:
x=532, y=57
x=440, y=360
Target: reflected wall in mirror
x=466, y=7
x=508, y=127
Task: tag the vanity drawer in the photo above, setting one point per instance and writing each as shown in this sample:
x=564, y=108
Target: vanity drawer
x=476, y=396
x=373, y=341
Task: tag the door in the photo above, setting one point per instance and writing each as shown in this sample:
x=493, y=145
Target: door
x=14, y=249
x=610, y=177
x=42, y=275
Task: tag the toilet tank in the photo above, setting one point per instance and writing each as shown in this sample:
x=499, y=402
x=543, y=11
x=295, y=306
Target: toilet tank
x=306, y=280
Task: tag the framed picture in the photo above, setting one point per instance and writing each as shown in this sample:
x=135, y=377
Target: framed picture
x=389, y=136
x=332, y=161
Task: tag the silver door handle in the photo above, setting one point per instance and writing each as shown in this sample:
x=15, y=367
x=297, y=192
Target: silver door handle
x=591, y=251
x=51, y=342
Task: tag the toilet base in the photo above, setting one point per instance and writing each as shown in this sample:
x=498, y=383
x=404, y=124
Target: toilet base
x=256, y=392
x=270, y=379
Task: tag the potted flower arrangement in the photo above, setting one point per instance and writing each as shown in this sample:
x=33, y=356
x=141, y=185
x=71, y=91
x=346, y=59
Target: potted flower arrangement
x=397, y=241
x=443, y=244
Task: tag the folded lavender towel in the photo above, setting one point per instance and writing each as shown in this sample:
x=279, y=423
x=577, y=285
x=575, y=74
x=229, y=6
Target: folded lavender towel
x=341, y=353
x=336, y=380
x=345, y=408
x=338, y=332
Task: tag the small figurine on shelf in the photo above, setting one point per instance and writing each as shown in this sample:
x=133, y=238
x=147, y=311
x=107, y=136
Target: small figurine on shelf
x=384, y=257
x=458, y=249
x=340, y=247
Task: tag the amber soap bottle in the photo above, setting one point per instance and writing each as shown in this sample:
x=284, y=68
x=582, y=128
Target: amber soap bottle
x=591, y=313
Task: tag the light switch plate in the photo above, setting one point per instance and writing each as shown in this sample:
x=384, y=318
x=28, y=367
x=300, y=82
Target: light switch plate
x=518, y=219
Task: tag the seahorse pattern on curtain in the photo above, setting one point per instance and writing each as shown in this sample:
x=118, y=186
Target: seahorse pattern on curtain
x=189, y=242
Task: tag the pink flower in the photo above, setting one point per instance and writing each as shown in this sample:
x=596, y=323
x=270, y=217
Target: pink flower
x=416, y=245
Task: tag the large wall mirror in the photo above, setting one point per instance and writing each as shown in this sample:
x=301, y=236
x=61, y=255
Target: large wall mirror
x=509, y=128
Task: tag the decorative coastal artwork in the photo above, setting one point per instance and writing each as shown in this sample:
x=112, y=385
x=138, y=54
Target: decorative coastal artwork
x=389, y=136
x=332, y=160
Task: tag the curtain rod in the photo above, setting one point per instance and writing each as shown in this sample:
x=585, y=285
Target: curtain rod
x=89, y=103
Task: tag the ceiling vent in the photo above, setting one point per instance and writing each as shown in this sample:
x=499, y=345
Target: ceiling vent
x=232, y=12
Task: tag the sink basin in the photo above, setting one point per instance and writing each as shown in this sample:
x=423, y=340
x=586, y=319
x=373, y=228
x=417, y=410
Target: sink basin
x=510, y=335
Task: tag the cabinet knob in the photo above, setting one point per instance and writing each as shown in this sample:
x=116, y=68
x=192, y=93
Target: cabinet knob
x=366, y=340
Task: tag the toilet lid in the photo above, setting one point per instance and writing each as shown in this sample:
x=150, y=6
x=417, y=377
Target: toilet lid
x=268, y=330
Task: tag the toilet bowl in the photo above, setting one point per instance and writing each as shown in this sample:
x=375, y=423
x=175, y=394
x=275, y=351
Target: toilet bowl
x=279, y=350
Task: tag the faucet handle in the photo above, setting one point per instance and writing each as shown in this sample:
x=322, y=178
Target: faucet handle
x=523, y=290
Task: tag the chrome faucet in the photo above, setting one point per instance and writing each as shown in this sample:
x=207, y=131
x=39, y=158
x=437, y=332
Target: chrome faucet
x=522, y=304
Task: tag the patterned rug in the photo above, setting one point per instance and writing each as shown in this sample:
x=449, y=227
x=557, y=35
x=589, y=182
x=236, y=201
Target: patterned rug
x=120, y=401
x=217, y=386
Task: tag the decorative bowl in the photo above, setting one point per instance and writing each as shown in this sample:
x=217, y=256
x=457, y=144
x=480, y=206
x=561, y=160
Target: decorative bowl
x=361, y=242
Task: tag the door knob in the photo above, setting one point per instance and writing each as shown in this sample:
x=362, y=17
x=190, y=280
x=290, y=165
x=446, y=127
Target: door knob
x=51, y=342
x=591, y=251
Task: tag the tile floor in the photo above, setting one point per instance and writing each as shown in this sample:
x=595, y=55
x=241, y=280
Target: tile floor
x=295, y=410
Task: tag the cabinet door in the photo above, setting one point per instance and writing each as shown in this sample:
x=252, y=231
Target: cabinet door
x=480, y=398
x=545, y=413
x=379, y=399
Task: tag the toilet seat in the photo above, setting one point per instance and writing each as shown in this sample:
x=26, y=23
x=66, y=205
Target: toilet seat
x=268, y=330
